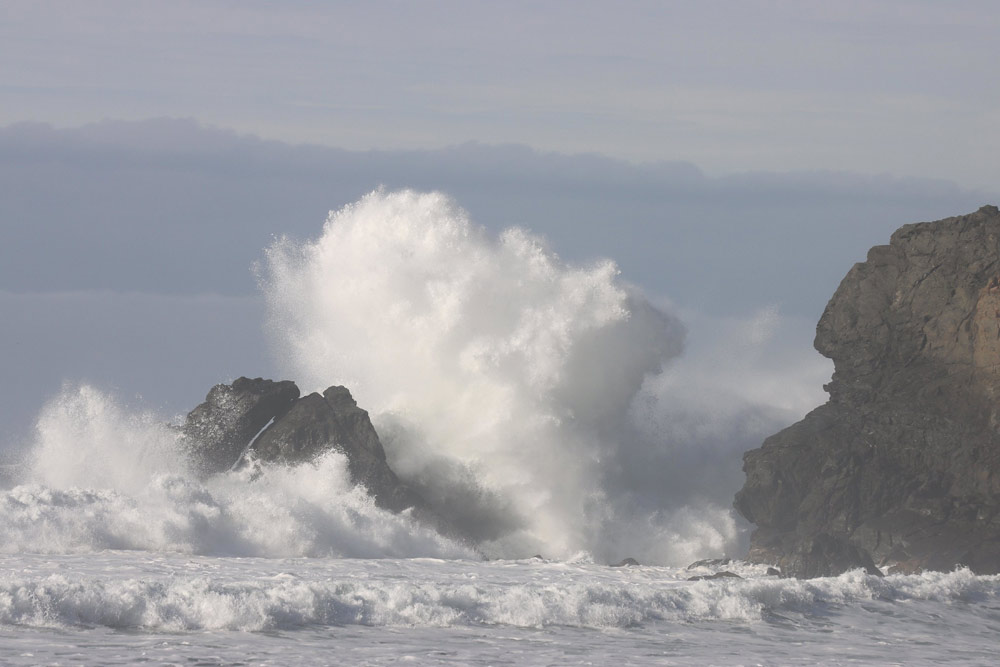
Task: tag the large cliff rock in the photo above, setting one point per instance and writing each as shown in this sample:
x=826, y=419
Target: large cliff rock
x=271, y=421
x=901, y=468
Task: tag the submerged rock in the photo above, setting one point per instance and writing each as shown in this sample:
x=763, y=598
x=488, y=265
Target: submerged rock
x=628, y=562
x=902, y=465
x=725, y=574
x=709, y=562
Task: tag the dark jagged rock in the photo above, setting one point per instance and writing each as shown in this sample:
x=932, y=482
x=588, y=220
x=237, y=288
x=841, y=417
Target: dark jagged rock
x=628, y=562
x=316, y=423
x=773, y=572
x=217, y=431
x=822, y=555
x=902, y=466
x=725, y=574
x=709, y=562
x=233, y=418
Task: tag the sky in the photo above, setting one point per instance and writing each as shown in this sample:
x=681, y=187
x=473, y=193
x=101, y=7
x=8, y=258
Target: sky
x=734, y=158
x=906, y=87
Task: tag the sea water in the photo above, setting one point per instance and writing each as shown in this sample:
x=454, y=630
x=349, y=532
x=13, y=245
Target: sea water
x=547, y=411
x=118, y=607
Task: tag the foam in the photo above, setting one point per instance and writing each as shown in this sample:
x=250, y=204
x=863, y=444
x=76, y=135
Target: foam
x=106, y=477
x=436, y=594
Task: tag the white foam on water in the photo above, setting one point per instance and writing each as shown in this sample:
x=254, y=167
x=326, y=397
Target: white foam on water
x=247, y=596
x=105, y=477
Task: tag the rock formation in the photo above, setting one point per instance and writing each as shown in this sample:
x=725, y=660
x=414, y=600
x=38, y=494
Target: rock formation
x=725, y=574
x=316, y=423
x=218, y=431
x=901, y=468
x=269, y=420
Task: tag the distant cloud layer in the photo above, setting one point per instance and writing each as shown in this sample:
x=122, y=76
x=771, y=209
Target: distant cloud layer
x=128, y=246
x=173, y=207
x=900, y=86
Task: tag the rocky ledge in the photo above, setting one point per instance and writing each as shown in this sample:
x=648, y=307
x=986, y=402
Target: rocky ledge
x=901, y=468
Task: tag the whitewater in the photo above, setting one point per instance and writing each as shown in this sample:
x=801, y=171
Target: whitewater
x=552, y=413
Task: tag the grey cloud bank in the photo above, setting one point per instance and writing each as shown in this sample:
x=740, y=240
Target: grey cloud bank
x=169, y=206
x=128, y=246
x=896, y=86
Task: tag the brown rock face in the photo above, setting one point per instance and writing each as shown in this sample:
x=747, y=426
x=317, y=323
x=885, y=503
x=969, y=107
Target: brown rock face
x=902, y=465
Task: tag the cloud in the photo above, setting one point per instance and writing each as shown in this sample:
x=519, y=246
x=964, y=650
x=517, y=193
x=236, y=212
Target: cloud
x=173, y=207
x=115, y=232
x=898, y=86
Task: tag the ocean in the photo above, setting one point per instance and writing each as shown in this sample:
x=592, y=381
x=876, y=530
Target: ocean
x=555, y=418
x=133, y=607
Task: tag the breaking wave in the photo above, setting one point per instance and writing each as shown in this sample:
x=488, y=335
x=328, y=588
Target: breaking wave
x=540, y=407
x=105, y=477
x=500, y=378
x=525, y=595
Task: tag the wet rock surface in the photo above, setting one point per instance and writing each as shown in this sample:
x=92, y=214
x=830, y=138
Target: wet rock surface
x=316, y=423
x=269, y=421
x=709, y=562
x=218, y=431
x=725, y=574
x=901, y=467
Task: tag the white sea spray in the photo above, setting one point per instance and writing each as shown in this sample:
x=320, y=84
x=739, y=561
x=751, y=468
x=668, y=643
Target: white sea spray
x=106, y=477
x=541, y=407
x=501, y=378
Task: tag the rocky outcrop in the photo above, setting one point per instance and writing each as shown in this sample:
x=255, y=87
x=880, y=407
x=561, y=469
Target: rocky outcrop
x=218, y=431
x=901, y=467
x=315, y=423
x=268, y=420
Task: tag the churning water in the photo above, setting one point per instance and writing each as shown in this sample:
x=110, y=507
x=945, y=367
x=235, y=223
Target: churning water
x=544, y=408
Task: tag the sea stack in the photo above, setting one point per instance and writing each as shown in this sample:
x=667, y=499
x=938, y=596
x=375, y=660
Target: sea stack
x=269, y=421
x=217, y=432
x=901, y=467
